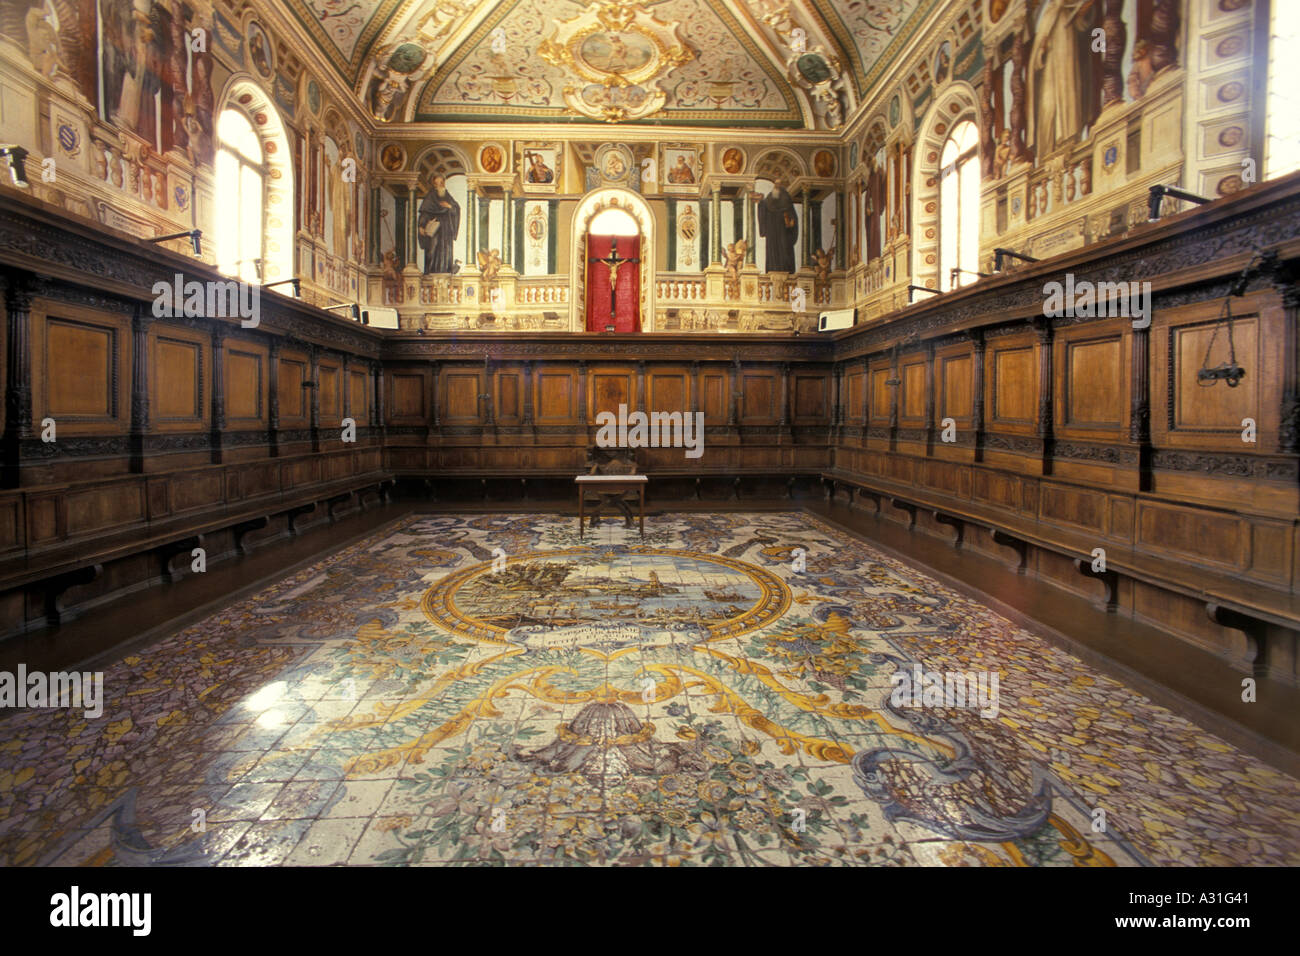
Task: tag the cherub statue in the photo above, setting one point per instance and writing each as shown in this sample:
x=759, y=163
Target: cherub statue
x=1002, y=155
x=734, y=260
x=43, y=43
x=391, y=283
x=388, y=90
x=489, y=264
x=824, y=260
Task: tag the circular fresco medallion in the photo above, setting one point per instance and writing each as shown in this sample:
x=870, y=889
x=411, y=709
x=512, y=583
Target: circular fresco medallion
x=491, y=158
x=607, y=599
x=733, y=160
x=616, y=51
x=259, y=49
x=392, y=158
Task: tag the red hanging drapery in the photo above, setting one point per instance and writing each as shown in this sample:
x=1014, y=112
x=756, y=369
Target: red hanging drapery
x=627, y=313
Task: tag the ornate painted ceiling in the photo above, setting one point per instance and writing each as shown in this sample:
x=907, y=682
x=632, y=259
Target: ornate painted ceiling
x=720, y=63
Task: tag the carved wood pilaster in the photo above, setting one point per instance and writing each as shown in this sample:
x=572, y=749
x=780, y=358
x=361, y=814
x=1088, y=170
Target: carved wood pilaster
x=1289, y=430
x=314, y=384
x=528, y=393
x=1046, y=385
x=219, y=333
x=273, y=396
x=1139, y=424
x=978, y=351
x=141, y=320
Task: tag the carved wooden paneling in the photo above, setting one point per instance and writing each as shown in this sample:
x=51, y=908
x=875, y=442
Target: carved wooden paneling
x=80, y=370
x=1186, y=413
x=912, y=398
x=811, y=402
x=1091, y=384
x=407, y=403
x=295, y=405
x=881, y=392
x=178, y=364
x=954, y=380
x=460, y=391
x=199, y=489
x=359, y=396
x=245, y=383
x=1210, y=537
x=855, y=384
x=102, y=507
x=1074, y=506
x=761, y=390
x=1012, y=384
x=557, y=396
x=716, y=396
x=331, y=392
x=509, y=381
x=607, y=389
x=668, y=390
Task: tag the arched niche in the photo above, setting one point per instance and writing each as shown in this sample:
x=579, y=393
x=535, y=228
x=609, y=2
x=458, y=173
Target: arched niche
x=589, y=208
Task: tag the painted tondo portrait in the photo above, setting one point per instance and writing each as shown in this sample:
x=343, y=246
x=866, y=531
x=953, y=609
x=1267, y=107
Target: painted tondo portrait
x=733, y=160
x=614, y=164
x=539, y=167
x=259, y=49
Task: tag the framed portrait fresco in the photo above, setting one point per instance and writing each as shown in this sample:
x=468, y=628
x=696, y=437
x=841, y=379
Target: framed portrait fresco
x=681, y=167
x=540, y=167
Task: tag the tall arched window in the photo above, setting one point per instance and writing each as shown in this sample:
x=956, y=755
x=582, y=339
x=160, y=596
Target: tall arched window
x=1282, y=153
x=959, y=207
x=240, y=198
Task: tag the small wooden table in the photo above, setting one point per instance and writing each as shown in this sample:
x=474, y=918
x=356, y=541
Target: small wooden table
x=607, y=483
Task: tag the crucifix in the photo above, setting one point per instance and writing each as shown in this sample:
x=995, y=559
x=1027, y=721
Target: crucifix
x=613, y=261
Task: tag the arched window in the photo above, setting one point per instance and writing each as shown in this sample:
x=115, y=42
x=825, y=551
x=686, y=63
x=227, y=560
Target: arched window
x=959, y=207
x=1282, y=155
x=240, y=198
x=613, y=222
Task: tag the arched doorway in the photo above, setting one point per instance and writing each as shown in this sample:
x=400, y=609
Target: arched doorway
x=613, y=240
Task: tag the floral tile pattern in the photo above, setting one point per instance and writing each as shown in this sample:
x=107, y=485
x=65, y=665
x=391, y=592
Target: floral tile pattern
x=492, y=690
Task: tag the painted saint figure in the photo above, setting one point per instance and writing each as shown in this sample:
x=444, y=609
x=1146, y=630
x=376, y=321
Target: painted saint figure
x=438, y=226
x=681, y=173
x=779, y=225
x=1060, y=65
x=538, y=171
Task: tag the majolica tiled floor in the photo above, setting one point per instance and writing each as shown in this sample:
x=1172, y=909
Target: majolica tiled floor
x=692, y=699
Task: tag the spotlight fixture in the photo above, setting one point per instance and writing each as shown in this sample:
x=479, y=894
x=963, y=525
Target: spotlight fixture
x=194, y=235
x=919, y=288
x=955, y=272
x=297, y=289
x=17, y=157
x=353, y=309
x=999, y=254
x=1159, y=192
